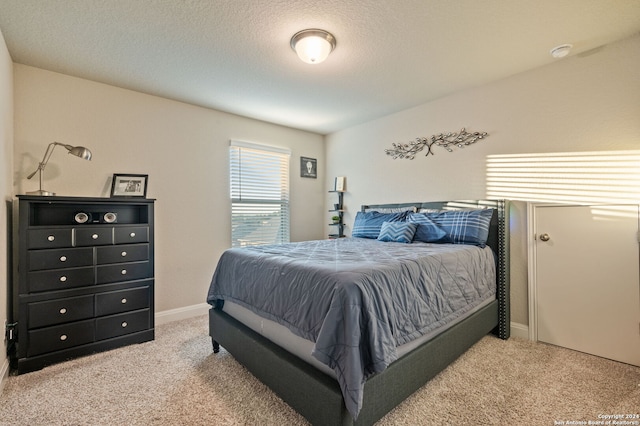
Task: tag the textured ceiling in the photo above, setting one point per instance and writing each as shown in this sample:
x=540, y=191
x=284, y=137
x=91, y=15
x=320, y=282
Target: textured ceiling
x=234, y=55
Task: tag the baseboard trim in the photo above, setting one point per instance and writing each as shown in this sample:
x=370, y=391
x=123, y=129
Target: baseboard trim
x=171, y=315
x=519, y=330
x=4, y=373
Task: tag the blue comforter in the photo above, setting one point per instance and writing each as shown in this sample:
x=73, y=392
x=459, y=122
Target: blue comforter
x=356, y=298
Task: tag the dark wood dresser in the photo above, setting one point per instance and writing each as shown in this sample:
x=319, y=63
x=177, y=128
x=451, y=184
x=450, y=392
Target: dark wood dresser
x=83, y=277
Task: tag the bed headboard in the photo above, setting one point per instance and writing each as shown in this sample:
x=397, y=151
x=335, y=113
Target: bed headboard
x=498, y=240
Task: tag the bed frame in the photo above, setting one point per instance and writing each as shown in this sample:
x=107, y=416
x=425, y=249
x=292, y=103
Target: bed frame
x=317, y=396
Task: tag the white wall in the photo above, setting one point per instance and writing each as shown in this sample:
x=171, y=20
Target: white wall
x=183, y=148
x=6, y=190
x=589, y=102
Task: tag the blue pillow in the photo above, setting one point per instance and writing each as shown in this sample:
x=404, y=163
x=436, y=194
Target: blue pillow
x=464, y=226
x=368, y=224
x=427, y=230
x=398, y=232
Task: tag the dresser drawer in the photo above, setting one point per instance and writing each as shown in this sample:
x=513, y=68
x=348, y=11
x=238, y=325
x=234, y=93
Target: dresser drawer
x=59, y=311
x=115, y=302
x=60, y=258
x=121, y=324
x=122, y=253
x=131, y=234
x=60, y=279
x=123, y=272
x=48, y=238
x=60, y=337
x=93, y=236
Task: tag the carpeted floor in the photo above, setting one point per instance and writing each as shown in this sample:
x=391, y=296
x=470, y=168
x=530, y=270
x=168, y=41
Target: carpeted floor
x=177, y=380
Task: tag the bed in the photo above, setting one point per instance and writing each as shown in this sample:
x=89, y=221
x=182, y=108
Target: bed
x=391, y=362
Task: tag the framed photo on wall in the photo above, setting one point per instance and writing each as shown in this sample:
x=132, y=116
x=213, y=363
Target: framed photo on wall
x=129, y=185
x=308, y=167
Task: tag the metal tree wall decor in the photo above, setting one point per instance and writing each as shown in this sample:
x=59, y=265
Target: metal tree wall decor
x=446, y=141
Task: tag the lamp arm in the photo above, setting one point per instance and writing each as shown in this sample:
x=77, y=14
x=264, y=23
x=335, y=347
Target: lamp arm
x=34, y=173
x=47, y=156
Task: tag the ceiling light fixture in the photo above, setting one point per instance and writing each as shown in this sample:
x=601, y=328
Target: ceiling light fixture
x=561, y=51
x=313, y=46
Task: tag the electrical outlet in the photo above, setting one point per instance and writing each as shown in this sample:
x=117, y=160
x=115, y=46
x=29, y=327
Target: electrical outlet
x=9, y=331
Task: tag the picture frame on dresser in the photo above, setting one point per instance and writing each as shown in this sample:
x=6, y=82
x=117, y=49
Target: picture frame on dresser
x=129, y=185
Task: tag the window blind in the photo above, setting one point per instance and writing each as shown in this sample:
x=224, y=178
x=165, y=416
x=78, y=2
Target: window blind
x=259, y=177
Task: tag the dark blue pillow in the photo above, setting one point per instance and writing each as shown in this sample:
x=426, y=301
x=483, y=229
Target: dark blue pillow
x=398, y=232
x=464, y=226
x=368, y=224
x=427, y=230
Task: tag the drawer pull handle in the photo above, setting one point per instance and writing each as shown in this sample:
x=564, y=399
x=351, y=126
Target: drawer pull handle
x=51, y=238
x=63, y=279
x=123, y=254
x=63, y=337
x=63, y=258
x=123, y=272
x=124, y=324
x=123, y=301
x=94, y=236
x=63, y=311
x=133, y=234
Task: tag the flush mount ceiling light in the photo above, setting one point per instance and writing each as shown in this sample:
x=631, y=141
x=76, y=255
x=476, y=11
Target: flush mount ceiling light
x=313, y=46
x=561, y=51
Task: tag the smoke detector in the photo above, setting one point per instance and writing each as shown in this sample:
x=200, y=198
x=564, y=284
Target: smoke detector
x=561, y=51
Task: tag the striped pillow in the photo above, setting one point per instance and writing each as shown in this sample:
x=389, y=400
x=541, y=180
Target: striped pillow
x=464, y=226
x=368, y=224
x=427, y=230
x=398, y=232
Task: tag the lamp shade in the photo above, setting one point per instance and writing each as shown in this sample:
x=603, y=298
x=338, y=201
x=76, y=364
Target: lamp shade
x=313, y=46
x=81, y=151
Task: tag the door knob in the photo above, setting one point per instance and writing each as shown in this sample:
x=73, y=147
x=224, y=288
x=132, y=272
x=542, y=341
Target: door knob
x=544, y=237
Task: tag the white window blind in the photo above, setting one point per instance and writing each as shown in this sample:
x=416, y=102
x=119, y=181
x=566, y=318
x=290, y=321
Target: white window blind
x=259, y=176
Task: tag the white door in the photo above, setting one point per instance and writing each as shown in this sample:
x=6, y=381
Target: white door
x=587, y=279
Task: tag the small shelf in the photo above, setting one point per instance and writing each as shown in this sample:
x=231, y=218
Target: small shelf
x=339, y=209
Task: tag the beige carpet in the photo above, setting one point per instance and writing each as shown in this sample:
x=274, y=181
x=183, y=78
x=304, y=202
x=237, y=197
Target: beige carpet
x=177, y=380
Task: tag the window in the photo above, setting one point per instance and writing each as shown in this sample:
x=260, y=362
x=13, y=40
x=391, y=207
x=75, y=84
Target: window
x=259, y=176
